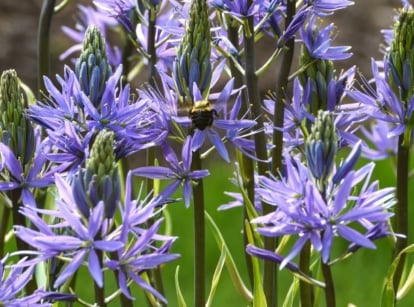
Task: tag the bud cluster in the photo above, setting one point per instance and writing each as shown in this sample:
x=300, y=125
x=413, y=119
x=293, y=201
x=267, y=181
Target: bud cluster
x=16, y=131
x=192, y=65
x=401, y=56
x=92, y=67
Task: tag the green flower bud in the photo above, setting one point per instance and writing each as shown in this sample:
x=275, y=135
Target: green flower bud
x=100, y=180
x=319, y=73
x=321, y=146
x=92, y=67
x=16, y=131
x=192, y=64
x=401, y=56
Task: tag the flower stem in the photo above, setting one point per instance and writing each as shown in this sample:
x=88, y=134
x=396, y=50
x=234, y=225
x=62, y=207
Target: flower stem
x=269, y=276
x=3, y=228
x=247, y=167
x=155, y=274
x=329, y=285
x=281, y=85
x=152, y=61
x=43, y=42
x=99, y=292
x=199, y=237
x=306, y=298
x=401, y=210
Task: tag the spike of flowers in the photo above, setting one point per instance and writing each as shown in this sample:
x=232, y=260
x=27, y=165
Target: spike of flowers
x=401, y=56
x=321, y=147
x=92, y=67
x=192, y=64
x=16, y=131
x=100, y=180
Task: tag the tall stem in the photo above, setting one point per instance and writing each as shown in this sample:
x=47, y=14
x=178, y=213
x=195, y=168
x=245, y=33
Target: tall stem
x=306, y=298
x=3, y=228
x=329, y=285
x=278, y=116
x=99, y=292
x=401, y=209
x=199, y=237
x=152, y=61
x=155, y=273
x=43, y=42
x=247, y=167
x=269, y=275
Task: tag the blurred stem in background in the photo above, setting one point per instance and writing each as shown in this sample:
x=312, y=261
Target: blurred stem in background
x=43, y=43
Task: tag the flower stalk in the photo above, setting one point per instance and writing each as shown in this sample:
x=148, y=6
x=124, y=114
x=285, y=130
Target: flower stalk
x=199, y=236
x=43, y=43
x=401, y=210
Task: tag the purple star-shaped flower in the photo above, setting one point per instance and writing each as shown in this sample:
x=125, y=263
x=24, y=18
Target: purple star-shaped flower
x=179, y=171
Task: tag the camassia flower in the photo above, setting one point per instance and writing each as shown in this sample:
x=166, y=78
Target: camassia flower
x=179, y=171
x=142, y=250
x=13, y=279
x=72, y=236
x=381, y=103
x=76, y=240
x=71, y=116
x=18, y=177
x=318, y=42
x=304, y=211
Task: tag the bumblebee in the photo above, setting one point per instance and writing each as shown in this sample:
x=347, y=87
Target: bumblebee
x=202, y=115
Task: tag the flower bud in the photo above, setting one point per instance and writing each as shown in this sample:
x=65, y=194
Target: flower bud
x=400, y=59
x=321, y=146
x=100, y=180
x=16, y=131
x=319, y=72
x=192, y=64
x=92, y=67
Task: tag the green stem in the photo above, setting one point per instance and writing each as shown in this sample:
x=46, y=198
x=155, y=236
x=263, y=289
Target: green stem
x=152, y=52
x=329, y=285
x=306, y=298
x=246, y=164
x=126, y=302
x=281, y=85
x=254, y=99
x=199, y=237
x=401, y=209
x=269, y=275
x=43, y=42
x=99, y=292
x=3, y=228
x=18, y=218
x=155, y=274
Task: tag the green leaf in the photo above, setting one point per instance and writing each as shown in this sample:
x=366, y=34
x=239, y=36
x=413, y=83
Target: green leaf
x=180, y=297
x=388, y=290
x=259, y=299
x=151, y=298
x=407, y=286
x=41, y=275
x=216, y=276
x=230, y=264
x=292, y=293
